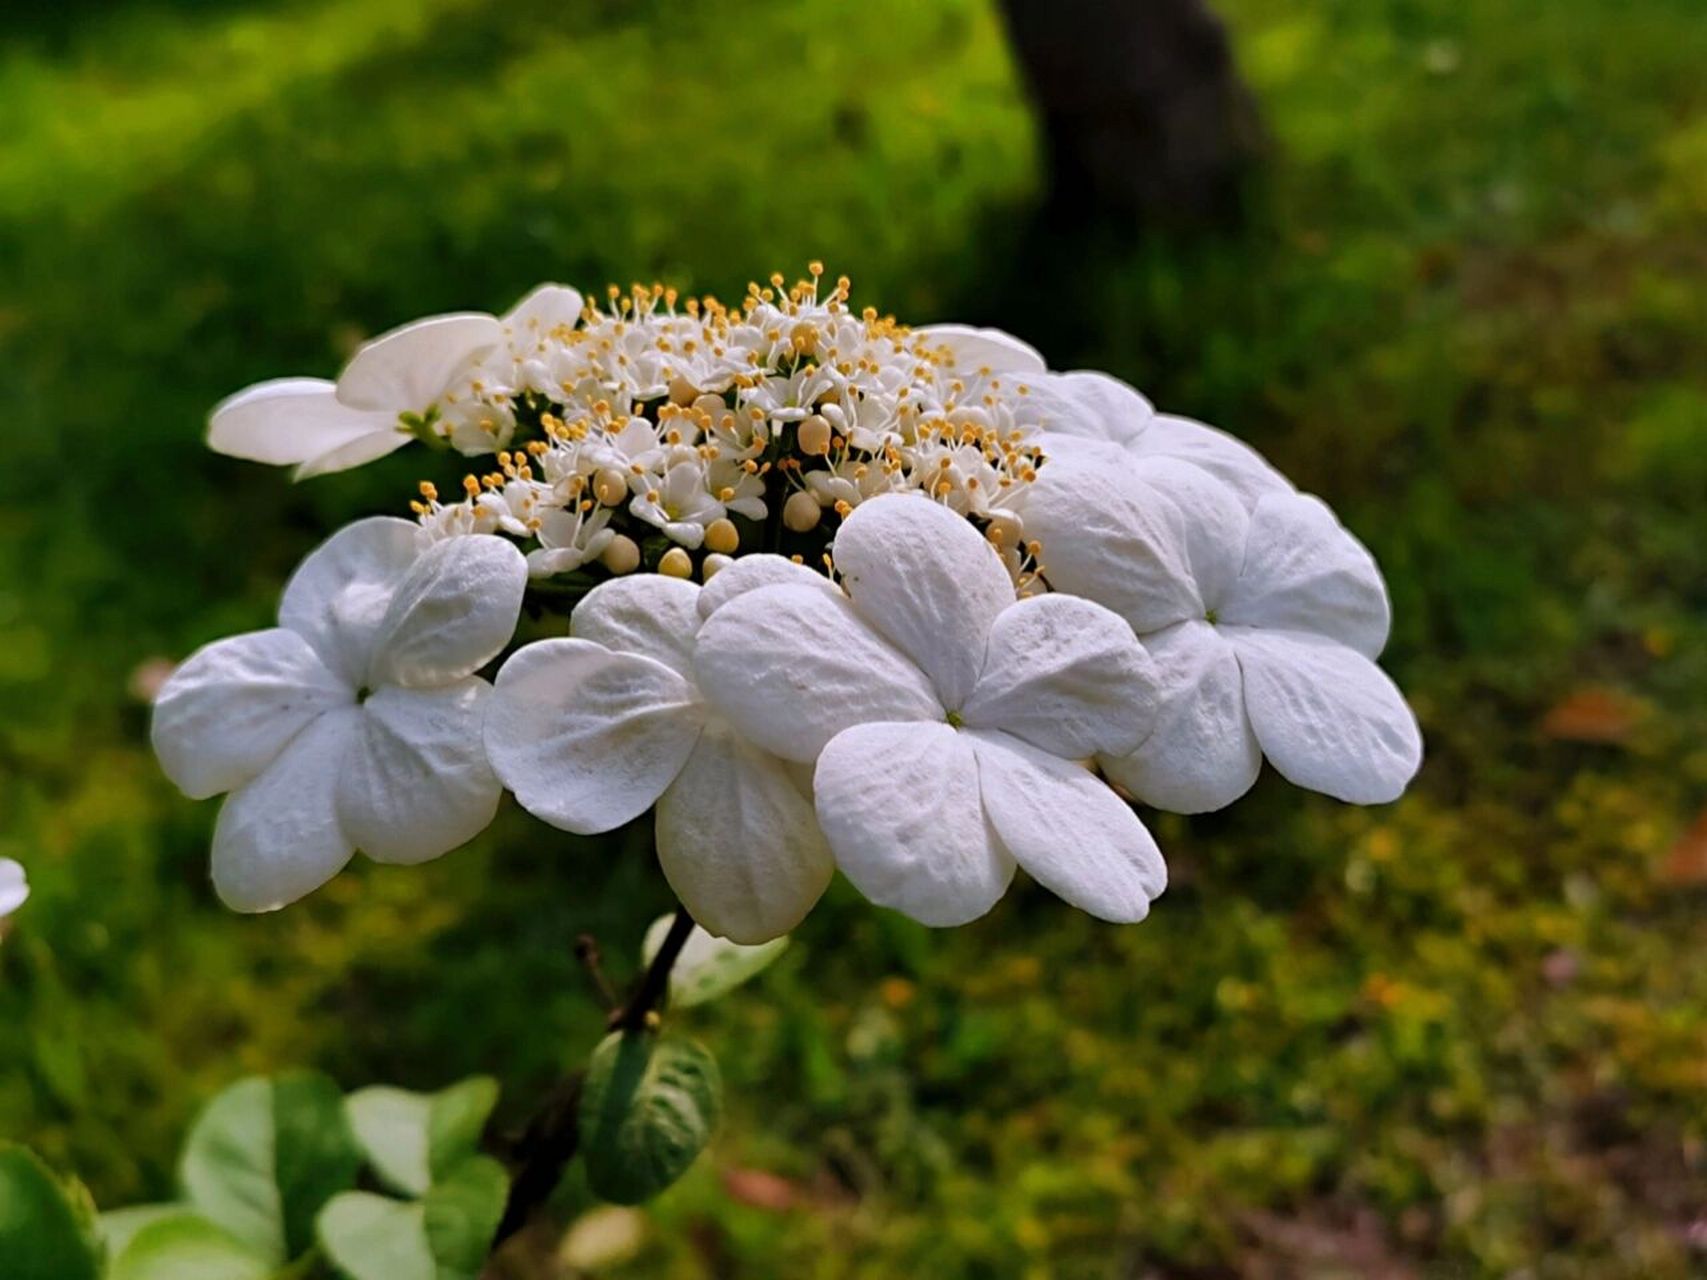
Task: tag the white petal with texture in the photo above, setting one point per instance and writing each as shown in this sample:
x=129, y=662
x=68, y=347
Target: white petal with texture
x=451, y=614
x=928, y=581
x=1202, y=754
x=1304, y=571
x=549, y=307
x=288, y=420
x=1229, y=459
x=586, y=738
x=901, y=808
x=339, y=593
x=792, y=666
x=359, y=451
x=738, y=841
x=279, y=838
x=1066, y=675
x=416, y=783
x=645, y=613
x=225, y=714
x=749, y=573
x=974, y=349
x=1158, y=541
x=1327, y=717
x=1071, y=833
x=1086, y=405
x=410, y=367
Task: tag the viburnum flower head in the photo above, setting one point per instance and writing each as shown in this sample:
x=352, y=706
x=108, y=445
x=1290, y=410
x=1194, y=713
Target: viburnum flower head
x=946, y=721
x=983, y=592
x=356, y=722
x=14, y=887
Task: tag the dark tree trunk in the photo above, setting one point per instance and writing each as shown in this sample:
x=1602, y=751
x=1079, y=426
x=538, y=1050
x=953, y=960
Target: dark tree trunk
x=1144, y=114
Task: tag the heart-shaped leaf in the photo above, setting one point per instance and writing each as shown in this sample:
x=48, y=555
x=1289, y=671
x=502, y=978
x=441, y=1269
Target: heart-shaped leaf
x=265, y=1155
x=647, y=1110
x=444, y=1236
x=708, y=966
x=412, y=1138
x=47, y=1227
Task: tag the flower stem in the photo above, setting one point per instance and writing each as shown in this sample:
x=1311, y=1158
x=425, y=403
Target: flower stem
x=553, y=1136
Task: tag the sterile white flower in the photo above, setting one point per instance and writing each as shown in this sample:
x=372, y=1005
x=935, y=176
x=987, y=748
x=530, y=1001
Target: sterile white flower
x=356, y=722
x=1094, y=418
x=947, y=721
x=14, y=887
x=591, y=731
x=323, y=426
x=1264, y=625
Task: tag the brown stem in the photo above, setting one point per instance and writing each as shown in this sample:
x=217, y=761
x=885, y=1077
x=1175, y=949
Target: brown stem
x=554, y=1134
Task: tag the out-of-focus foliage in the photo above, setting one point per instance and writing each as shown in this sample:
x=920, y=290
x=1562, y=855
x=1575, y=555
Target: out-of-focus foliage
x=1461, y=1035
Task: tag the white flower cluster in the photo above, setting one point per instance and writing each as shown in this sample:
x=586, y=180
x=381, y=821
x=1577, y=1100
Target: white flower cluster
x=945, y=599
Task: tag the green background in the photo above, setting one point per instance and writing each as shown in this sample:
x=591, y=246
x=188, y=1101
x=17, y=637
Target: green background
x=1458, y=1036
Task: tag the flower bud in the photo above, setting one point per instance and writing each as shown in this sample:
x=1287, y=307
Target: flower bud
x=714, y=563
x=676, y=563
x=610, y=486
x=622, y=555
x=814, y=436
x=801, y=512
x=682, y=391
x=722, y=536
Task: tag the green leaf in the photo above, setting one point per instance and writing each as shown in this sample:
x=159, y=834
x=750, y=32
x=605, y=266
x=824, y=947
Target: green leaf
x=47, y=1227
x=411, y=1138
x=371, y=1237
x=265, y=1155
x=118, y=1227
x=708, y=967
x=648, y=1109
x=445, y=1236
x=183, y=1245
x=463, y=1210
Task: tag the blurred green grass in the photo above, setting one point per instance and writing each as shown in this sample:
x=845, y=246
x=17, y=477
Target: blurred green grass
x=1459, y=1036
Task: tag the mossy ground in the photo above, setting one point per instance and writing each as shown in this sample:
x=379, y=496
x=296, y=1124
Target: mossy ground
x=1459, y=1036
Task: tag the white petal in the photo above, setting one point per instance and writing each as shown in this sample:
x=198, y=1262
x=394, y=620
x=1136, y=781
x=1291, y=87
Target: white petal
x=279, y=838
x=901, y=808
x=1229, y=459
x=14, y=887
x=230, y=708
x=1305, y=572
x=749, y=573
x=1066, y=675
x=586, y=738
x=452, y=614
x=928, y=581
x=645, y=613
x=974, y=349
x=548, y=307
x=289, y=420
x=339, y=593
x=738, y=841
x=410, y=367
x=1085, y=405
x=357, y=452
x=1158, y=541
x=1068, y=830
x=1203, y=753
x=416, y=784
x=1327, y=717
x=793, y=666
